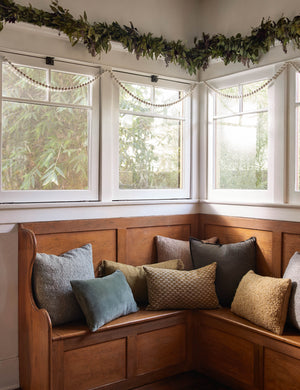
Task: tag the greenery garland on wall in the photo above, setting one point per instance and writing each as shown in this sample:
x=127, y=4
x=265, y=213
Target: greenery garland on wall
x=97, y=37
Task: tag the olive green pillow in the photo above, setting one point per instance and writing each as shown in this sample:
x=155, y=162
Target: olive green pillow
x=172, y=289
x=263, y=300
x=135, y=275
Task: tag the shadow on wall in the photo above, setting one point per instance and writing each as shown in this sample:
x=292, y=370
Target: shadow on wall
x=9, y=376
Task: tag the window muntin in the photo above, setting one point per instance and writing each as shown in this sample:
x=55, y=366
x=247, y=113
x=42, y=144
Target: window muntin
x=46, y=138
x=153, y=141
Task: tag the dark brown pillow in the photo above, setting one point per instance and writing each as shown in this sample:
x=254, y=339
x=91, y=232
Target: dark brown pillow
x=170, y=248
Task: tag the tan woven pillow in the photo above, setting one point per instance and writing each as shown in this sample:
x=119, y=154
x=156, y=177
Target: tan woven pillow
x=170, y=289
x=136, y=276
x=170, y=248
x=263, y=300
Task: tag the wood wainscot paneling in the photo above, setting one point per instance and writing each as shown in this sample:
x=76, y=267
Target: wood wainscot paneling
x=104, y=244
x=95, y=365
x=281, y=372
x=225, y=355
x=291, y=244
x=161, y=348
x=233, y=229
x=140, y=248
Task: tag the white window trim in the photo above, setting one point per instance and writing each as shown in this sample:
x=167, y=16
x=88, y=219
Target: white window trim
x=276, y=154
x=139, y=194
x=92, y=193
x=293, y=194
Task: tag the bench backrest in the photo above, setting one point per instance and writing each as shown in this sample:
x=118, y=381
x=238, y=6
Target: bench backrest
x=127, y=240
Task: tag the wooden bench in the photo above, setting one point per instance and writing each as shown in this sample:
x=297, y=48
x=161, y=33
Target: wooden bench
x=146, y=346
x=129, y=351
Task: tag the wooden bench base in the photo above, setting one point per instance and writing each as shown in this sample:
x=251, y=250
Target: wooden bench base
x=123, y=354
x=245, y=356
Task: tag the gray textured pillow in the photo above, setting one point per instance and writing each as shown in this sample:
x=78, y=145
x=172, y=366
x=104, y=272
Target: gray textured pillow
x=233, y=262
x=293, y=272
x=104, y=299
x=51, y=282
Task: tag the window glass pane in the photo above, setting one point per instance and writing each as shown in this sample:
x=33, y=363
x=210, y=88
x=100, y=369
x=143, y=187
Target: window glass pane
x=44, y=148
x=162, y=96
x=149, y=152
x=128, y=103
x=16, y=87
x=241, y=152
x=259, y=100
x=227, y=106
x=77, y=96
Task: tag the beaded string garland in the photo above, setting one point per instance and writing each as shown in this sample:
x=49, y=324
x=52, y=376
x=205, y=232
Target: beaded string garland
x=39, y=84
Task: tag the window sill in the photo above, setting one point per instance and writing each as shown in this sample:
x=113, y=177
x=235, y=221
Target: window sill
x=250, y=204
x=42, y=205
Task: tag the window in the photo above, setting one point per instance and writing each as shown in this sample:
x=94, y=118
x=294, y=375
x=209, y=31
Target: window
x=239, y=140
x=153, y=142
x=47, y=137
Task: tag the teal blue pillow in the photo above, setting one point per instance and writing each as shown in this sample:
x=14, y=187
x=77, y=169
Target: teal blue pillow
x=104, y=299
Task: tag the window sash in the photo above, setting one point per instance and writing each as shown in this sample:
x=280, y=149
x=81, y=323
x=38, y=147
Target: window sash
x=92, y=192
x=238, y=195
x=131, y=194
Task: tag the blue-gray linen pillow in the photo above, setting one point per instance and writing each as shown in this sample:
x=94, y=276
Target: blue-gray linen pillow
x=51, y=282
x=233, y=262
x=104, y=299
x=293, y=272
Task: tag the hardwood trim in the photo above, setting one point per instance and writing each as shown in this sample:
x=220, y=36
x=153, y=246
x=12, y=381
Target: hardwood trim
x=111, y=223
x=121, y=245
x=35, y=330
x=131, y=356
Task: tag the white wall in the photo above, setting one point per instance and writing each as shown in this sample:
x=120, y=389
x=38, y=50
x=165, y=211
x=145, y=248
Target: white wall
x=175, y=19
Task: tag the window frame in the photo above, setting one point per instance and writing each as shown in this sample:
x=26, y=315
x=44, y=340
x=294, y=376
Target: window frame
x=274, y=192
x=153, y=194
x=293, y=193
x=90, y=194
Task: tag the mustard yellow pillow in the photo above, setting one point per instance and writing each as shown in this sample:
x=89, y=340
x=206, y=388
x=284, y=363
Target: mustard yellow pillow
x=171, y=289
x=263, y=300
x=135, y=275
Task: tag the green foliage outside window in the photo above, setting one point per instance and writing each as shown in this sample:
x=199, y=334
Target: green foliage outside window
x=149, y=147
x=44, y=146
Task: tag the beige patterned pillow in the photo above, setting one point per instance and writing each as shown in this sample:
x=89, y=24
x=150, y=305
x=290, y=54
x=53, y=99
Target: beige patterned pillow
x=263, y=300
x=171, y=248
x=171, y=289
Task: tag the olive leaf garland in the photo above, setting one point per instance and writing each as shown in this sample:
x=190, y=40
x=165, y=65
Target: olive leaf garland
x=97, y=37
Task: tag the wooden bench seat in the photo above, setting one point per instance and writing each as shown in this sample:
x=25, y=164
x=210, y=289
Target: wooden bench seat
x=290, y=335
x=70, y=330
